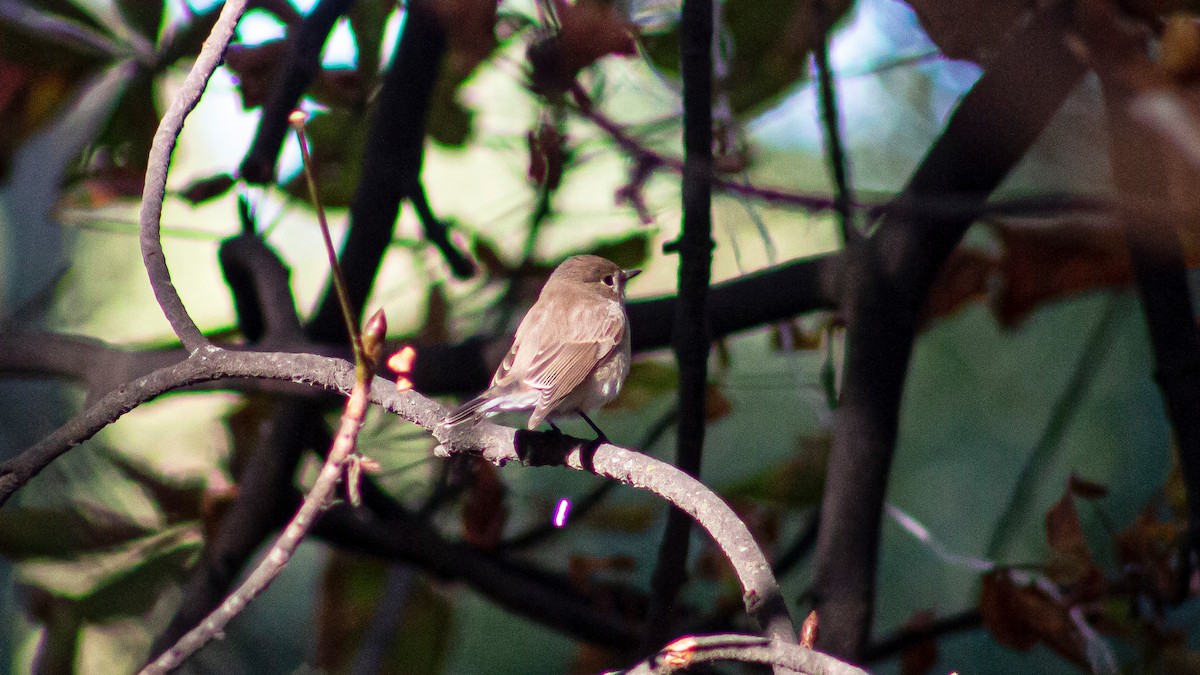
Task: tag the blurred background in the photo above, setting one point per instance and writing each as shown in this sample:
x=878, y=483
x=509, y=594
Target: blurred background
x=1032, y=366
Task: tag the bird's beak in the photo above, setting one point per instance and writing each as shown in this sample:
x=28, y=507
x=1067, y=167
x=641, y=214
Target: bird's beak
x=629, y=274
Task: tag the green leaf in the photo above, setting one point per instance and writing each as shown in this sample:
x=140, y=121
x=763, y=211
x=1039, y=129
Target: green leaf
x=771, y=42
x=360, y=598
x=337, y=138
x=84, y=575
x=797, y=482
x=627, y=252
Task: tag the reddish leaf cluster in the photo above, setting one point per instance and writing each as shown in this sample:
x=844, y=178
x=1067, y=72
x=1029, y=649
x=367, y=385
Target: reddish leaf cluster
x=470, y=27
x=1021, y=615
x=588, y=31
x=1039, y=263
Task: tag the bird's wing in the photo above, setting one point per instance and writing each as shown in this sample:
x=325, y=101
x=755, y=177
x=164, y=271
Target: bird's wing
x=587, y=336
x=533, y=319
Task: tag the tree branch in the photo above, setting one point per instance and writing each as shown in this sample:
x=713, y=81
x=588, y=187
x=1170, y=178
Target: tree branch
x=1141, y=154
x=391, y=164
x=889, y=277
x=300, y=67
x=691, y=340
x=496, y=444
x=698, y=649
x=150, y=217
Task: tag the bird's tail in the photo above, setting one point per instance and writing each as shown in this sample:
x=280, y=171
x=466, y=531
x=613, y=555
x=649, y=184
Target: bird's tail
x=471, y=411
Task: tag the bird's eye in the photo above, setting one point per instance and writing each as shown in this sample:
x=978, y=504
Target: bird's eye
x=608, y=280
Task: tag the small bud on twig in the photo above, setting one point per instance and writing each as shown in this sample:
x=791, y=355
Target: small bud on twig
x=373, y=336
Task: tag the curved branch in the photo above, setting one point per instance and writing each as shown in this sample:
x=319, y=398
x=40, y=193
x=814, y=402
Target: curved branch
x=499, y=445
x=697, y=649
x=150, y=218
x=496, y=444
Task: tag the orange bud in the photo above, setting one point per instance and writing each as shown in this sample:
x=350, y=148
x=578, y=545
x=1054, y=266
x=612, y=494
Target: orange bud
x=401, y=362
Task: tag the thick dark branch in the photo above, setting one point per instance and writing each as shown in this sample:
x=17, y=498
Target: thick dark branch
x=261, y=289
x=391, y=164
x=538, y=594
x=300, y=67
x=739, y=304
x=905, y=638
x=690, y=339
x=1140, y=161
x=993, y=127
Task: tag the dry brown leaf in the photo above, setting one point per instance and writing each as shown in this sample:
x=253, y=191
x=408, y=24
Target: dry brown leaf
x=1071, y=559
x=1020, y=617
x=919, y=657
x=588, y=31
x=255, y=67
x=484, y=514
x=1046, y=263
x=973, y=30
x=470, y=27
x=964, y=278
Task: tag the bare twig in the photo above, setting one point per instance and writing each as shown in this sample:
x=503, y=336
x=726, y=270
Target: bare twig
x=339, y=281
x=340, y=456
x=835, y=152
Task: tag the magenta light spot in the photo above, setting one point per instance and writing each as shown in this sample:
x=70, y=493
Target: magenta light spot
x=560, y=512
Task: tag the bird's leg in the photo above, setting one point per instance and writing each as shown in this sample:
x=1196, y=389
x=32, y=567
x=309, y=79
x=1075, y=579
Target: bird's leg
x=554, y=427
x=599, y=434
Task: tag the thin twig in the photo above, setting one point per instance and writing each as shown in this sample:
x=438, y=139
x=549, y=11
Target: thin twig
x=339, y=280
x=317, y=499
x=835, y=152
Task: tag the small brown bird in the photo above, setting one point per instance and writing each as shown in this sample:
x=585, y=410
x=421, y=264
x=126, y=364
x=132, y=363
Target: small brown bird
x=571, y=351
